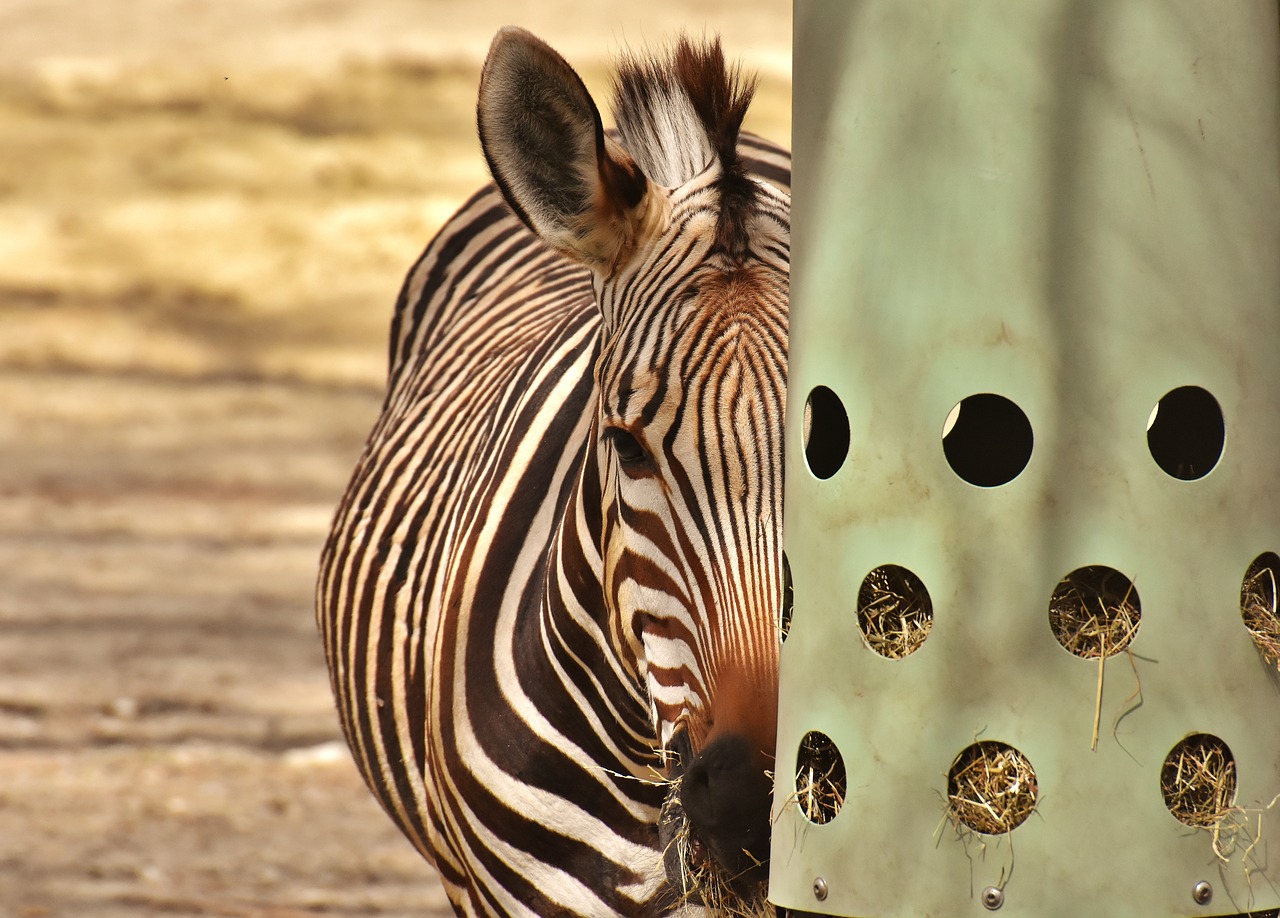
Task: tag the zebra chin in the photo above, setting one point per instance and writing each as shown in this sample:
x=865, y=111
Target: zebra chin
x=714, y=827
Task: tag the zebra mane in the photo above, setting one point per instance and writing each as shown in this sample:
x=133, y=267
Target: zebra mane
x=678, y=114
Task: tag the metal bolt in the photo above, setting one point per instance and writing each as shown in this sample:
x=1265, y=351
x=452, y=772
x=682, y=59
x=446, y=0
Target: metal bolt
x=819, y=888
x=992, y=898
x=1202, y=892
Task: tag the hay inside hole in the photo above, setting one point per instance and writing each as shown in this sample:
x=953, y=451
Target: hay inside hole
x=1198, y=781
x=821, y=780
x=1258, y=605
x=1095, y=612
x=991, y=788
x=895, y=612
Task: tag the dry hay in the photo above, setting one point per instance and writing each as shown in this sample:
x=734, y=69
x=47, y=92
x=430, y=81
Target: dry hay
x=1198, y=780
x=894, y=611
x=1258, y=606
x=821, y=781
x=991, y=788
x=700, y=883
x=1095, y=612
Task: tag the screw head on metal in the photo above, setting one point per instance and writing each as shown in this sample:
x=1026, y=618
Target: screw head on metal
x=819, y=888
x=1202, y=892
x=992, y=898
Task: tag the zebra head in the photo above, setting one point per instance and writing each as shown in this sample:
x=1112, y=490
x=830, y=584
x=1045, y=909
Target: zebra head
x=690, y=258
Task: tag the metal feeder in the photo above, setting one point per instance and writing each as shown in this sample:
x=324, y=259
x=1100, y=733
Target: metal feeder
x=1033, y=442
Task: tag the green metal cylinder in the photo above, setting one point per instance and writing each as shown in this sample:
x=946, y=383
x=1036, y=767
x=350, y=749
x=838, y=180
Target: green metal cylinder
x=1074, y=209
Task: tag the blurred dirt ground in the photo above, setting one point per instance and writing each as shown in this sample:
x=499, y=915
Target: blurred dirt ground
x=205, y=212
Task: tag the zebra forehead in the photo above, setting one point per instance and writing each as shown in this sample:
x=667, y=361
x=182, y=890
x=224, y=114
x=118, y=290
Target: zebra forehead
x=742, y=348
x=733, y=331
x=738, y=321
x=742, y=299
x=744, y=294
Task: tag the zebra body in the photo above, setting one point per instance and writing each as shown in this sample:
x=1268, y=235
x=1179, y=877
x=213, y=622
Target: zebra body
x=509, y=638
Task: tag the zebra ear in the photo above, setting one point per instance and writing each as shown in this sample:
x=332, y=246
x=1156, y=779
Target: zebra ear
x=548, y=152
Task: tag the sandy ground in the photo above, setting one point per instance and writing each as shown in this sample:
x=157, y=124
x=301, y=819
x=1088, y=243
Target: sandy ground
x=205, y=211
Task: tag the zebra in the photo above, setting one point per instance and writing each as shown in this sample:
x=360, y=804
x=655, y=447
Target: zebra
x=550, y=596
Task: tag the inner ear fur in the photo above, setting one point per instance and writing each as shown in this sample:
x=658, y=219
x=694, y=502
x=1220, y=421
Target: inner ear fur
x=546, y=148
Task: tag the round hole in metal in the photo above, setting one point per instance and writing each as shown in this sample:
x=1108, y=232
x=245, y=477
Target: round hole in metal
x=788, y=600
x=1258, y=605
x=1186, y=433
x=895, y=612
x=987, y=440
x=821, y=782
x=1095, y=611
x=1198, y=780
x=991, y=788
x=826, y=432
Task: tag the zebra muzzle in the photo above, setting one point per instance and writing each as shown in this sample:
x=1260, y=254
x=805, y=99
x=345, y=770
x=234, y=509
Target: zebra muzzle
x=714, y=825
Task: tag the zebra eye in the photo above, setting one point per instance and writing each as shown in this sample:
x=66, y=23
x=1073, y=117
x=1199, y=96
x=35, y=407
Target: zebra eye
x=628, y=449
